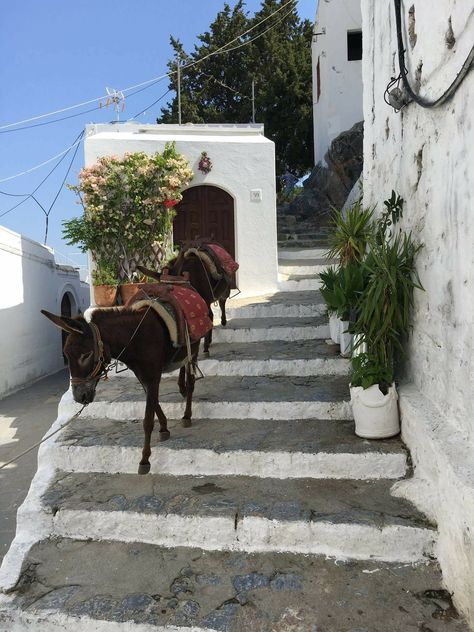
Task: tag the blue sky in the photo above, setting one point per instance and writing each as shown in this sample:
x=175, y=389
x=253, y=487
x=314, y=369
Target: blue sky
x=58, y=53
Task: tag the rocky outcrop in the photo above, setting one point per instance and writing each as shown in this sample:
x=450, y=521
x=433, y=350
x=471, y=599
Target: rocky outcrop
x=330, y=185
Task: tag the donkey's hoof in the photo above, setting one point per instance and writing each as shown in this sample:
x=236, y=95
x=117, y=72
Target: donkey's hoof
x=144, y=468
x=186, y=423
x=223, y=322
x=164, y=435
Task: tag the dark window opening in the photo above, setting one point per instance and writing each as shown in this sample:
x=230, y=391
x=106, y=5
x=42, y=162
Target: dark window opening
x=354, y=45
x=318, y=82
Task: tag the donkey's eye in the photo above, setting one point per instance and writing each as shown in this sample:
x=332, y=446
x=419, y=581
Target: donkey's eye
x=85, y=358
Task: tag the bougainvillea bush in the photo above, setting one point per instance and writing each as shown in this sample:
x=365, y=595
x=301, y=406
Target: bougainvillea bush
x=128, y=206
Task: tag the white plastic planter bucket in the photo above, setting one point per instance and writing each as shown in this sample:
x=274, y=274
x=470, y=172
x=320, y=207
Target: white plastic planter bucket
x=375, y=414
x=346, y=340
x=334, y=328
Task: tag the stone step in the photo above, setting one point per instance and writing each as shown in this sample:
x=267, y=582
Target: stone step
x=288, y=235
x=280, y=328
x=295, y=267
x=269, y=357
x=139, y=587
x=232, y=447
x=342, y=519
x=303, y=243
x=301, y=284
x=280, y=304
x=302, y=253
x=320, y=397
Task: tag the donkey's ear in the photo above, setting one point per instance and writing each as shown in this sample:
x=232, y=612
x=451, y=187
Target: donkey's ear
x=68, y=324
x=150, y=273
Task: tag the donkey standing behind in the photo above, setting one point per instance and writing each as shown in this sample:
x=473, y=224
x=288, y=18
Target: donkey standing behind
x=142, y=342
x=211, y=290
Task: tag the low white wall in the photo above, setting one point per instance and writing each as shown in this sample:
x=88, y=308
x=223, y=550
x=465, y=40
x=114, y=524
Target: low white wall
x=427, y=156
x=30, y=346
x=243, y=160
x=340, y=102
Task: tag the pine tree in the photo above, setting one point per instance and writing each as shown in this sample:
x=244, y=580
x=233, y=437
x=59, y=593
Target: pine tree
x=218, y=89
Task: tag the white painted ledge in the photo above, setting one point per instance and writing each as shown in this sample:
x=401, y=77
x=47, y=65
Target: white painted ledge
x=227, y=334
x=206, y=462
x=443, y=488
x=393, y=543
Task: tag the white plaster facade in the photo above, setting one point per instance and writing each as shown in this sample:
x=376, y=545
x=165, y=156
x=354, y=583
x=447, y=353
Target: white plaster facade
x=243, y=165
x=427, y=156
x=337, y=82
x=30, y=348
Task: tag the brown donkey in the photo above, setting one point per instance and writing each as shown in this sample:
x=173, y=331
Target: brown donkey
x=209, y=289
x=142, y=342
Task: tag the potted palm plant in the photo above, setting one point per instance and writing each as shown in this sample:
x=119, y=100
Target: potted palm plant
x=383, y=323
x=328, y=282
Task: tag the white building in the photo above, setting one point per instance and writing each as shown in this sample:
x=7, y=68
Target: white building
x=235, y=202
x=427, y=156
x=337, y=71
x=30, y=348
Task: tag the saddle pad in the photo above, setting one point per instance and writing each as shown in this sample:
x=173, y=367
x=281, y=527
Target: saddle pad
x=193, y=308
x=206, y=259
x=195, y=312
x=165, y=312
x=228, y=264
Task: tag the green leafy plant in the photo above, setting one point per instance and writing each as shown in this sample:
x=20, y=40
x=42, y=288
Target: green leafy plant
x=350, y=234
x=390, y=216
x=128, y=205
x=342, y=289
x=384, y=318
x=105, y=273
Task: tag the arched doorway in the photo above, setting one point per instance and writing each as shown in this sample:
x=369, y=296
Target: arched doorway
x=206, y=211
x=66, y=310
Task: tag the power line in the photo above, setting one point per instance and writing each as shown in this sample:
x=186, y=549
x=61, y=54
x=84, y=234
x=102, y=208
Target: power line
x=150, y=106
x=27, y=196
x=59, y=191
x=213, y=53
x=150, y=82
x=45, y=162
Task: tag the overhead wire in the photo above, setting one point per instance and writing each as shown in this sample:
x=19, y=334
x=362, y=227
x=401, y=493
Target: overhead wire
x=149, y=106
x=150, y=82
x=220, y=50
x=31, y=195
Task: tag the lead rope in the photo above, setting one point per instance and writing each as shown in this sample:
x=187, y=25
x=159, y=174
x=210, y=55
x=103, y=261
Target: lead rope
x=18, y=456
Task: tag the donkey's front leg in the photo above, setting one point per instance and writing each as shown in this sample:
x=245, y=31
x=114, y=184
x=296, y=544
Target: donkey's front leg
x=208, y=336
x=148, y=425
x=190, y=380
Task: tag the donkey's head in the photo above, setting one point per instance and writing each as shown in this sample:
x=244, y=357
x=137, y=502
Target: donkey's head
x=85, y=354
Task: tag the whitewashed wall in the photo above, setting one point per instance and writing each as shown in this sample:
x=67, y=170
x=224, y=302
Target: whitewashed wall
x=427, y=155
x=30, y=346
x=243, y=160
x=340, y=102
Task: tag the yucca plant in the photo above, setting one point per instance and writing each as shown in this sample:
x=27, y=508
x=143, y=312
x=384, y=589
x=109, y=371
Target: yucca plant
x=384, y=318
x=350, y=234
x=342, y=289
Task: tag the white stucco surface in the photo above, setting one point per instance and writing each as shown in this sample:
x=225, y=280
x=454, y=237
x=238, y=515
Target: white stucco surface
x=30, y=346
x=427, y=156
x=243, y=160
x=340, y=102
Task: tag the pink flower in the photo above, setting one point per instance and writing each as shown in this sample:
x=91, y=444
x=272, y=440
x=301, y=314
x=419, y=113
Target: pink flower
x=170, y=203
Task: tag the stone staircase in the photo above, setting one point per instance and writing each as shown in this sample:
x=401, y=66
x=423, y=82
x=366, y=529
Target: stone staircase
x=268, y=514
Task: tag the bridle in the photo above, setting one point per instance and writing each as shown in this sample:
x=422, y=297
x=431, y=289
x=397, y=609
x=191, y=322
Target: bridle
x=101, y=367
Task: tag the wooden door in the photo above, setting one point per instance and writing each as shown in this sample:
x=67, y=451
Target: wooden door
x=205, y=211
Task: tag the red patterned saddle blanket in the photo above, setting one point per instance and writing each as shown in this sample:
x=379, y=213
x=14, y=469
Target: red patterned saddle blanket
x=223, y=258
x=178, y=305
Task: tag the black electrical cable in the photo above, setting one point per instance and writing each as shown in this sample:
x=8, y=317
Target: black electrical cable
x=404, y=75
x=59, y=191
x=31, y=195
x=150, y=106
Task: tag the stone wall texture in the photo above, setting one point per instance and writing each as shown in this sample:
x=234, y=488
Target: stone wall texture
x=427, y=156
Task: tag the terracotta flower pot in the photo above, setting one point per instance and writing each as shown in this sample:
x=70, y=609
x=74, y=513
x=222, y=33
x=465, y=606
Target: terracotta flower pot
x=128, y=290
x=105, y=295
